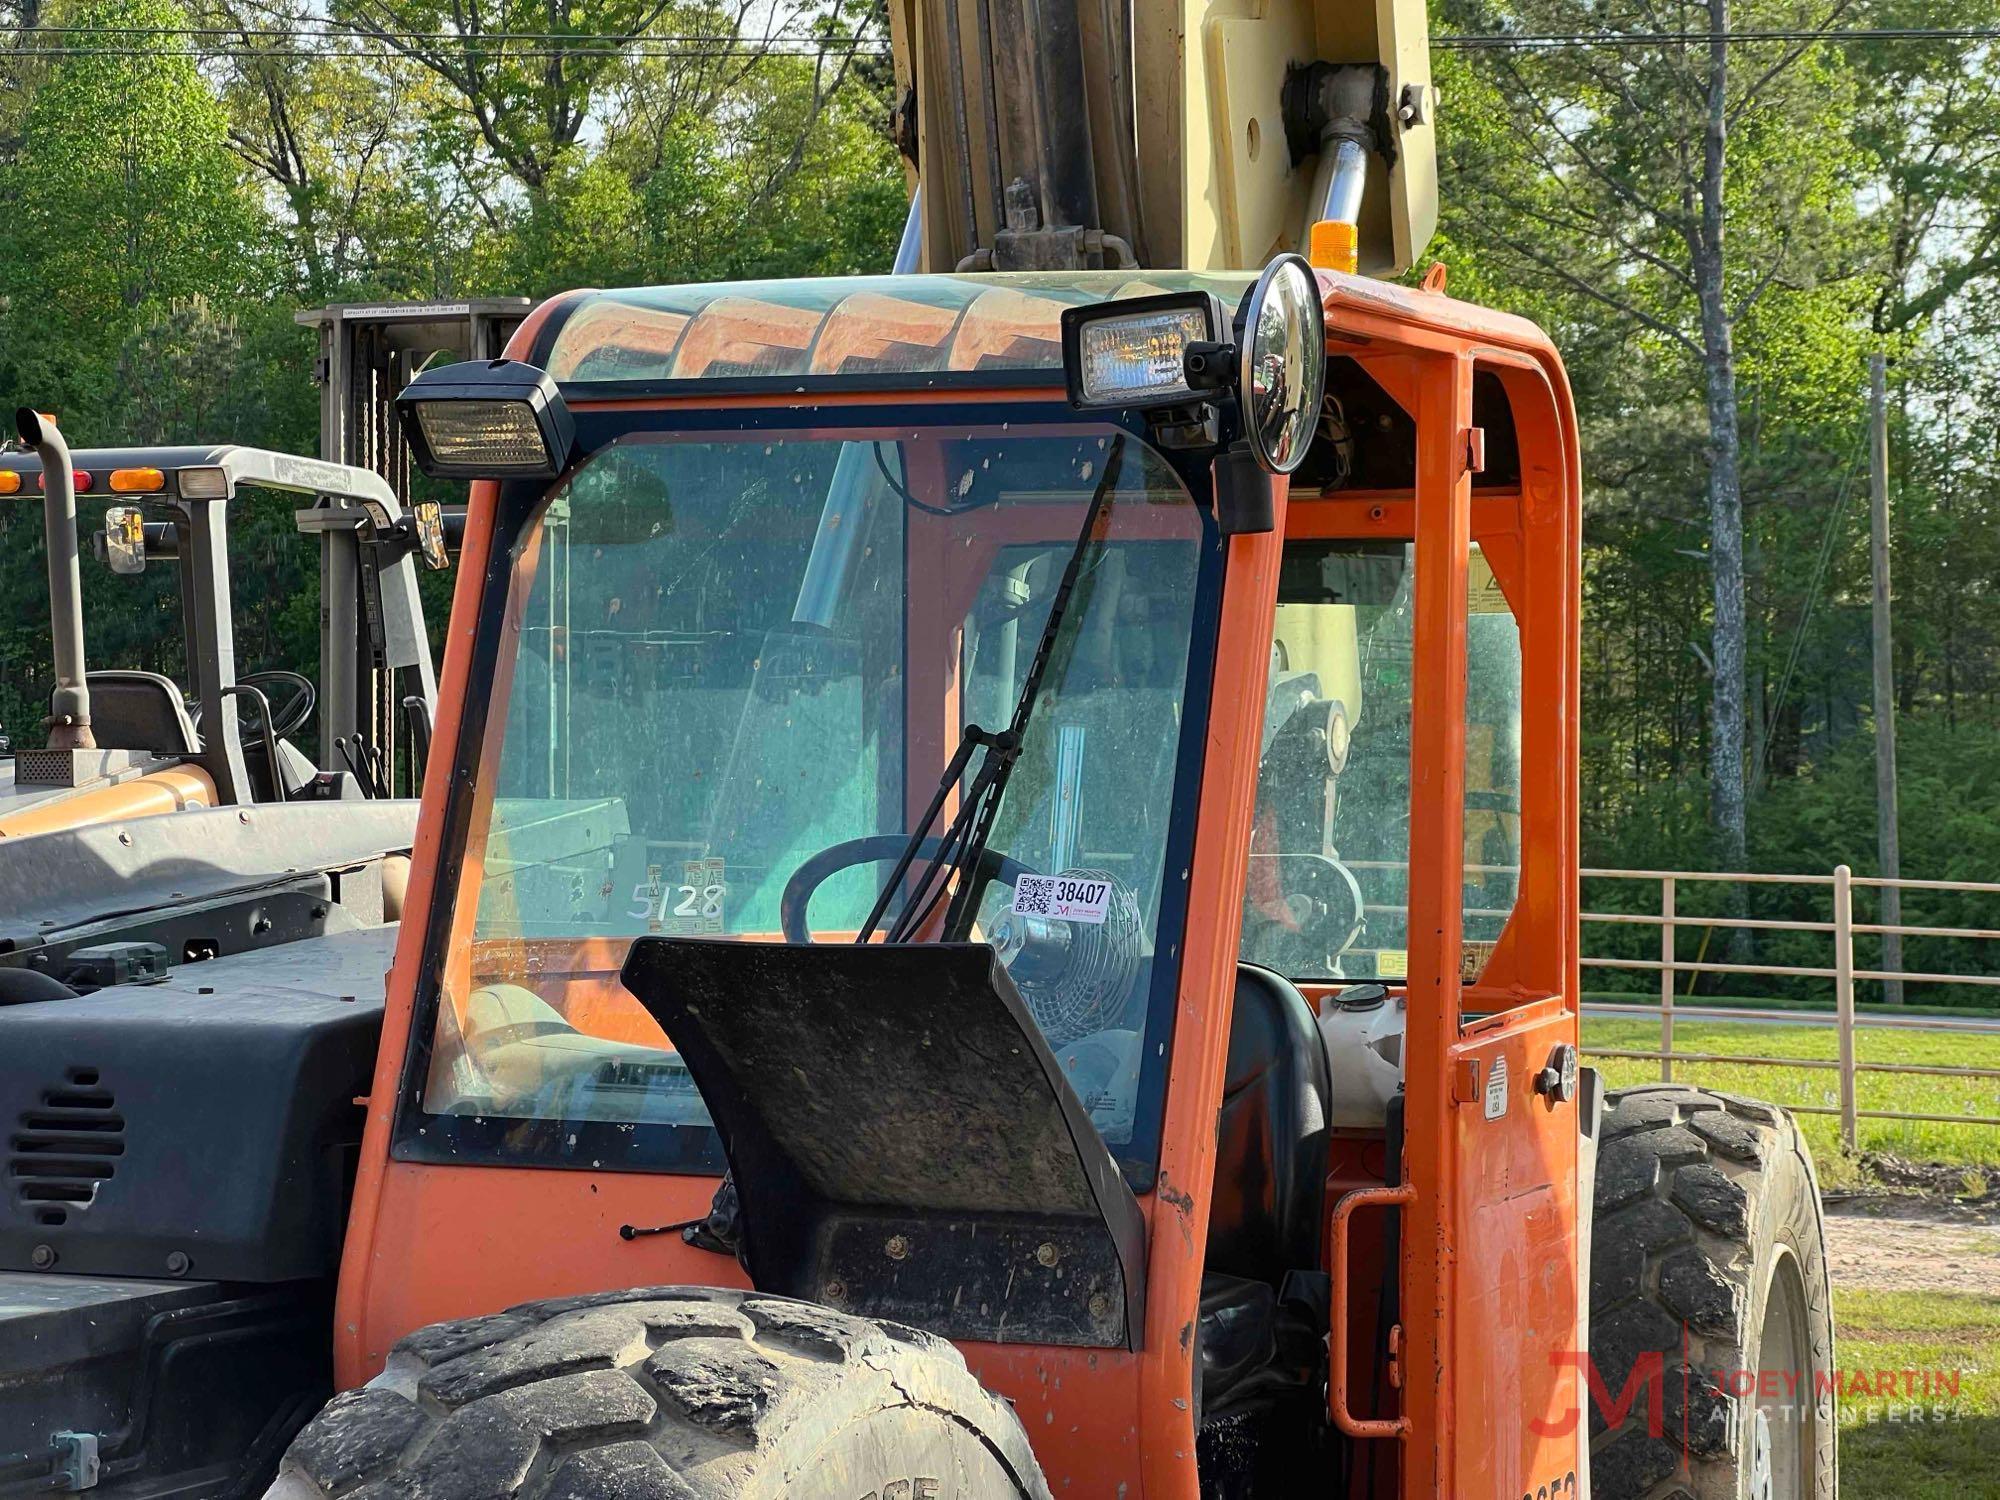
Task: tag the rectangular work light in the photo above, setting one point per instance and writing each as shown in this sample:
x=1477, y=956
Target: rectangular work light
x=205, y=482
x=1133, y=352
x=487, y=419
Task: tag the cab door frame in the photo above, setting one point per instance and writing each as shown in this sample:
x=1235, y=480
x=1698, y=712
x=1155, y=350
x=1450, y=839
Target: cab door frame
x=1496, y=1222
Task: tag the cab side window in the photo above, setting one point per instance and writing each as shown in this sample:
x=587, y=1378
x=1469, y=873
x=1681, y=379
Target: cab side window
x=1328, y=881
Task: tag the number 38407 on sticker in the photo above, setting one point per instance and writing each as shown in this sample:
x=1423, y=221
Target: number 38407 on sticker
x=1067, y=898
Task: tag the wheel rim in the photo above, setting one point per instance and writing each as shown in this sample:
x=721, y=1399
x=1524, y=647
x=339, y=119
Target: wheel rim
x=1762, y=1486
x=1782, y=1423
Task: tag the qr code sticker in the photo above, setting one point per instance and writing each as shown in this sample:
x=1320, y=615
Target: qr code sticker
x=1066, y=898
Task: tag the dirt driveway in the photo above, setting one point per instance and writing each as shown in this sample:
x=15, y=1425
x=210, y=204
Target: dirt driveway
x=1910, y=1244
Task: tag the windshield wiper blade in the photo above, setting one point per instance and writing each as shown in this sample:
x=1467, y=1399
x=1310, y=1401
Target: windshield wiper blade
x=964, y=839
x=973, y=738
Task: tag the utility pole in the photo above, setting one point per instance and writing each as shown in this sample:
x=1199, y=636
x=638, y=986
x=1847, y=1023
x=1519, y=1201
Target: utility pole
x=1887, y=839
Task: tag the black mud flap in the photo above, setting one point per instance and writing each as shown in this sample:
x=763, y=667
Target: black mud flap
x=903, y=1142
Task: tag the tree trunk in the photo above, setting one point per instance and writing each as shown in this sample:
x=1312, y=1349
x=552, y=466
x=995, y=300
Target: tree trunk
x=1757, y=709
x=1725, y=493
x=1725, y=523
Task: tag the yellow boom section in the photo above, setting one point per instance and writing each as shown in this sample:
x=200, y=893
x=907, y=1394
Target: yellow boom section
x=1170, y=133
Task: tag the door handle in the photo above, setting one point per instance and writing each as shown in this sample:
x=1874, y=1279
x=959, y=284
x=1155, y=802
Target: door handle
x=1336, y=1391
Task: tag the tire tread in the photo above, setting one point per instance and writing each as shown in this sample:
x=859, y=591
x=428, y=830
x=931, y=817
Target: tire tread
x=1682, y=1174
x=618, y=1395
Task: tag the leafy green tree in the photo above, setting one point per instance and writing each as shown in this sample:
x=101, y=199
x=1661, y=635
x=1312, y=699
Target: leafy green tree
x=338, y=139
x=1661, y=183
x=1932, y=114
x=531, y=76
x=123, y=195
x=120, y=203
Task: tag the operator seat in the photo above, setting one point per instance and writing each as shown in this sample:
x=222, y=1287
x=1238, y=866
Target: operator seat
x=1271, y=1150
x=1263, y=1318
x=140, y=711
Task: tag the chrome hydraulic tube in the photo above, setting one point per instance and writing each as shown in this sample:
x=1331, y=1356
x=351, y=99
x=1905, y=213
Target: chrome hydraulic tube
x=1340, y=179
x=851, y=494
x=910, y=248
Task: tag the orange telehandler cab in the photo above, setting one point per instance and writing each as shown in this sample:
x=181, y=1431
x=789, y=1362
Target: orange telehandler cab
x=1045, y=875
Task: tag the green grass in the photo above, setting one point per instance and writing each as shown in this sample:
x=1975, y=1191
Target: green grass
x=1971, y=1145
x=1956, y=1458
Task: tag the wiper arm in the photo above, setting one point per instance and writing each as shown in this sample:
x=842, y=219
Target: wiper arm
x=964, y=839
x=972, y=739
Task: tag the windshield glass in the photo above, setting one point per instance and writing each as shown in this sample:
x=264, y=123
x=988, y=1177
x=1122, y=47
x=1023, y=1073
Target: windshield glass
x=730, y=654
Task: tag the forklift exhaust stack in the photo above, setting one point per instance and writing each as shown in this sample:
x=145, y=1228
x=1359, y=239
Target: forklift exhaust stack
x=69, y=707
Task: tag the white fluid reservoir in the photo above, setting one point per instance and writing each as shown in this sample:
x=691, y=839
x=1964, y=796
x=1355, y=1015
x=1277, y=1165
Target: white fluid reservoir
x=1363, y=1029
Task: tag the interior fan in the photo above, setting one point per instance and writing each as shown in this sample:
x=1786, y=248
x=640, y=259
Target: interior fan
x=1076, y=976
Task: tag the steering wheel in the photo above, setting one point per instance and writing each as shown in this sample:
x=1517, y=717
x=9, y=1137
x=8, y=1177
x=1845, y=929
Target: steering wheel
x=298, y=708
x=305, y=697
x=1324, y=913
x=873, y=849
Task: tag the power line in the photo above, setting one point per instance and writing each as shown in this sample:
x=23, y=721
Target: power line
x=389, y=46
x=1492, y=41
x=641, y=48
x=1829, y=542
x=1461, y=43
x=517, y=54
x=296, y=43
x=325, y=30
x=1552, y=41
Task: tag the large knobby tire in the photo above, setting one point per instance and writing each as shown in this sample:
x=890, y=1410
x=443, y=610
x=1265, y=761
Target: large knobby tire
x=665, y=1393
x=1708, y=1251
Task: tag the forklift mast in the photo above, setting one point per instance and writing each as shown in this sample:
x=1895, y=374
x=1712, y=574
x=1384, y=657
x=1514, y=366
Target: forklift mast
x=367, y=353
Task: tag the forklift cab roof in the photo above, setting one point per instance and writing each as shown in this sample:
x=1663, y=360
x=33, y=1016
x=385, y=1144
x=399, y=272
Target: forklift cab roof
x=188, y=473
x=349, y=507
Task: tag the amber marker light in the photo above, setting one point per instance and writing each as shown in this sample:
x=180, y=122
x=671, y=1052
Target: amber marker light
x=137, y=481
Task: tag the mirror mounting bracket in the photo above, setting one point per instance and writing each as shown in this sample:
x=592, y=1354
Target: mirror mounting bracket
x=1245, y=498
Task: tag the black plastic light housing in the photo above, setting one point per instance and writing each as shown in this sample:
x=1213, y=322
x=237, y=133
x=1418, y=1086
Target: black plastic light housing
x=1132, y=353
x=487, y=419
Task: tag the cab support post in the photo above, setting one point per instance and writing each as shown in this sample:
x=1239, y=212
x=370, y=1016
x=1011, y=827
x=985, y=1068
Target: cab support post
x=205, y=569
x=1436, y=901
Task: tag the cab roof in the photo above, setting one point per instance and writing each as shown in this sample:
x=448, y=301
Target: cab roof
x=803, y=330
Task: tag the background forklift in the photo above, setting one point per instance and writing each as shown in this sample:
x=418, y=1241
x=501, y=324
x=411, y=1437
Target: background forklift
x=374, y=659
x=118, y=727
x=367, y=353
x=95, y=887
x=939, y=612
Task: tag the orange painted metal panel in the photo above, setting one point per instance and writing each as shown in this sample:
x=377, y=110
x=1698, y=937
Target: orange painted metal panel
x=147, y=796
x=1515, y=1299
x=1201, y=1019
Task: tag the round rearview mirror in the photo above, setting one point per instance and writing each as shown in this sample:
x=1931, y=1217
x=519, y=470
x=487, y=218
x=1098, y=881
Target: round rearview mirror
x=1283, y=376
